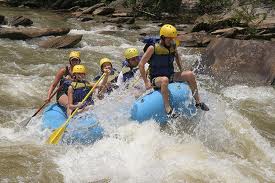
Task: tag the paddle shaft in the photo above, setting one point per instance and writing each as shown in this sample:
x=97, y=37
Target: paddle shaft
x=53, y=94
x=57, y=134
x=26, y=121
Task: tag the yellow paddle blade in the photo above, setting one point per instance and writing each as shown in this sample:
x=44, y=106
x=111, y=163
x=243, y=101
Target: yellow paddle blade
x=56, y=135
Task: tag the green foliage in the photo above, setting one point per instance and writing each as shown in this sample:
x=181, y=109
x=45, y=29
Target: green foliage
x=156, y=6
x=213, y=6
x=248, y=13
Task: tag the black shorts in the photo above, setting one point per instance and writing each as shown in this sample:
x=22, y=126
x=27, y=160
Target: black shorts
x=153, y=81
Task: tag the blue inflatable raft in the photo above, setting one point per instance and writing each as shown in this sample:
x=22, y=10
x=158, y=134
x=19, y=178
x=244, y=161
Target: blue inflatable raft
x=82, y=129
x=151, y=105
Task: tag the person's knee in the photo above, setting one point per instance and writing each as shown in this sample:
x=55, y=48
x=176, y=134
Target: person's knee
x=63, y=100
x=189, y=75
x=164, y=81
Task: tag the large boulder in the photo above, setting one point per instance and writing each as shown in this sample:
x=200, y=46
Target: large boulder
x=20, y=20
x=121, y=20
x=28, y=33
x=240, y=61
x=228, y=32
x=103, y=11
x=67, y=41
x=93, y=8
x=194, y=39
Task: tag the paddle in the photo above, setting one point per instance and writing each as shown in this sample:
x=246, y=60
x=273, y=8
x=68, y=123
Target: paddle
x=26, y=121
x=58, y=133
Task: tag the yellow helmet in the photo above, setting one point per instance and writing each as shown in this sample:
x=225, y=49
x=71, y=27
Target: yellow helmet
x=131, y=53
x=168, y=30
x=74, y=54
x=104, y=60
x=79, y=69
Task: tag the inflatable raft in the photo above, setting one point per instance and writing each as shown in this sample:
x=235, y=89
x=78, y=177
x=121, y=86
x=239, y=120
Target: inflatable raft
x=151, y=105
x=82, y=129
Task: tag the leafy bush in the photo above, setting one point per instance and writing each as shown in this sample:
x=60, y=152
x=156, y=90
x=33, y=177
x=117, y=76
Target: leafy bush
x=213, y=6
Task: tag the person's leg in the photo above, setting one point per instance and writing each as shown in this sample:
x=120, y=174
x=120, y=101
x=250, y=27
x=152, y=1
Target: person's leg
x=162, y=83
x=63, y=101
x=189, y=77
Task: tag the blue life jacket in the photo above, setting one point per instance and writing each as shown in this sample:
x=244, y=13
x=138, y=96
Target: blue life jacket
x=161, y=62
x=81, y=89
x=111, y=78
x=128, y=73
x=65, y=82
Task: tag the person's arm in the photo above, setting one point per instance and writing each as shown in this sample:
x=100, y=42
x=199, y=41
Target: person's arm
x=70, y=106
x=103, y=84
x=145, y=58
x=57, y=78
x=178, y=61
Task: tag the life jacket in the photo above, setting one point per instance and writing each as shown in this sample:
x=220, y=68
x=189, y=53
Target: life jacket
x=81, y=89
x=128, y=73
x=150, y=41
x=67, y=75
x=161, y=62
x=65, y=82
x=112, y=78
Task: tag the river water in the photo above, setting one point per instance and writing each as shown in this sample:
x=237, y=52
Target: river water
x=233, y=142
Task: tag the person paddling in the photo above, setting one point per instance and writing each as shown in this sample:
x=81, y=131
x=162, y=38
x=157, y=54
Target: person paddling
x=109, y=82
x=64, y=77
x=160, y=57
x=78, y=89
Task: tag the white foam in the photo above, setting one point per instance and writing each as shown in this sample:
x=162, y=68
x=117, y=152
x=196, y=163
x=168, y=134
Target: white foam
x=240, y=92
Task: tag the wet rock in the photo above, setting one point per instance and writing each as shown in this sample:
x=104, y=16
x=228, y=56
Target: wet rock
x=93, y=8
x=3, y=3
x=228, y=32
x=118, y=4
x=196, y=39
x=121, y=20
x=28, y=33
x=2, y=19
x=85, y=19
x=103, y=11
x=267, y=36
x=234, y=61
x=77, y=14
x=134, y=27
x=75, y=8
x=211, y=23
x=181, y=27
x=20, y=20
x=67, y=41
x=123, y=14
